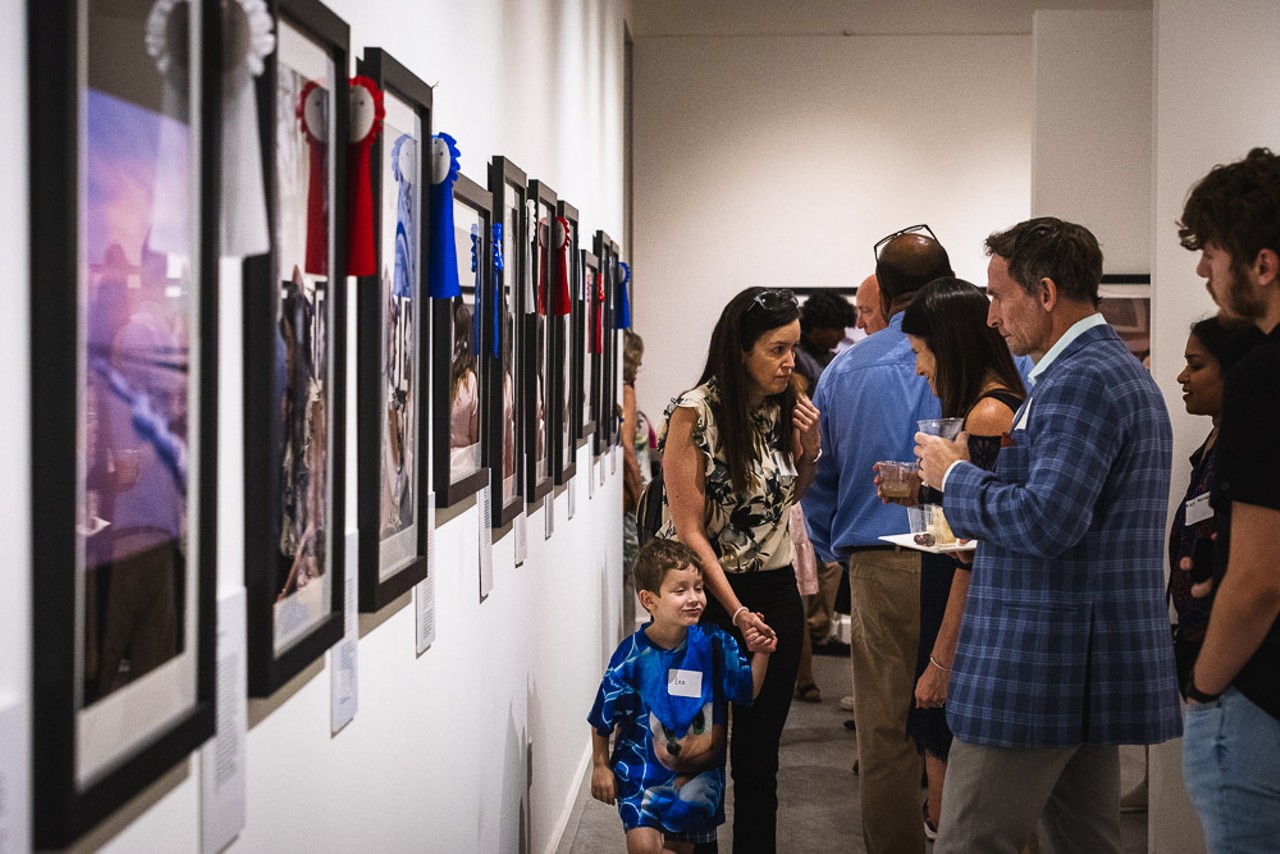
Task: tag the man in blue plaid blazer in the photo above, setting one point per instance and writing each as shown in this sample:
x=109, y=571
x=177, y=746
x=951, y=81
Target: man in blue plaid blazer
x=1064, y=651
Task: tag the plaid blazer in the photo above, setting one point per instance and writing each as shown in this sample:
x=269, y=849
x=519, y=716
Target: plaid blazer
x=1065, y=638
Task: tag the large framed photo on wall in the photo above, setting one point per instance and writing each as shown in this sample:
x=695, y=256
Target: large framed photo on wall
x=508, y=186
x=567, y=278
x=124, y=171
x=294, y=353
x=391, y=362
x=539, y=412
x=458, y=337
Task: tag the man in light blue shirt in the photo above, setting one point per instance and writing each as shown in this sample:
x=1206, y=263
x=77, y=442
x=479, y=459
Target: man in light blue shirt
x=870, y=399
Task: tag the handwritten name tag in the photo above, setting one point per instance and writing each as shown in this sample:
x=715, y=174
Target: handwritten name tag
x=684, y=683
x=1198, y=509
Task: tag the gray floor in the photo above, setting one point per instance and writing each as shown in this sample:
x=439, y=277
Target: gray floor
x=817, y=789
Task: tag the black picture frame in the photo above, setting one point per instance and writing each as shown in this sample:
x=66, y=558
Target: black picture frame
x=460, y=472
x=538, y=408
x=589, y=338
x=392, y=360
x=508, y=184
x=564, y=456
x=295, y=321
x=84, y=372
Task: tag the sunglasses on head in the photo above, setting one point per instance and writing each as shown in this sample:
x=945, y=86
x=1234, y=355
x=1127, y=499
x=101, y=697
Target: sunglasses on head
x=773, y=300
x=911, y=229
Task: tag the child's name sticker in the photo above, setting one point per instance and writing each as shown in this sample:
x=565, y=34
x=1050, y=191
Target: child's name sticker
x=1198, y=509
x=684, y=683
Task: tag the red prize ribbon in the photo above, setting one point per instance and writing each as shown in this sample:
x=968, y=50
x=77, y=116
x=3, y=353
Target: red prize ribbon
x=561, y=302
x=313, y=113
x=367, y=113
x=597, y=338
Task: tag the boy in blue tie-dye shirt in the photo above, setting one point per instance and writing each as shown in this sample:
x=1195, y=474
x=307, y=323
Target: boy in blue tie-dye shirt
x=666, y=698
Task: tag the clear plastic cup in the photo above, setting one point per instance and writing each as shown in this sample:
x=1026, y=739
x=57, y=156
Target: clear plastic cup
x=947, y=428
x=898, y=479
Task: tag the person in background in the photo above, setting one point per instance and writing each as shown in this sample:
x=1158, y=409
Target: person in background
x=1213, y=349
x=970, y=369
x=636, y=472
x=1231, y=752
x=740, y=449
x=1064, y=651
x=823, y=320
x=871, y=312
x=871, y=399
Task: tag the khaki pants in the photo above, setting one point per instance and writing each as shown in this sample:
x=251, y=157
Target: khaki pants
x=885, y=593
x=820, y=608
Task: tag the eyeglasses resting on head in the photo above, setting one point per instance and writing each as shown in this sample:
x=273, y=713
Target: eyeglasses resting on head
x=911, y=229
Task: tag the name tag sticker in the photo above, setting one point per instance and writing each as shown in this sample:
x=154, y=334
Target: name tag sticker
x=1198, y=509
x=684, y=683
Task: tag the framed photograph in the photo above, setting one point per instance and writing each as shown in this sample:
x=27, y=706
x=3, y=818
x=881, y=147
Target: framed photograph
x=589, y=334
x=563, y=352
x=1126, y=305
x=458, y=338
x=294, y=353
x=505, y=437
x=124, y=225
x=391, y=362
x=538, y=412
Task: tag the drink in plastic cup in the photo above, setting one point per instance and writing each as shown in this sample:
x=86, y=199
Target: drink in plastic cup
x=947, y=428
x=929, y=519
x=897, y=479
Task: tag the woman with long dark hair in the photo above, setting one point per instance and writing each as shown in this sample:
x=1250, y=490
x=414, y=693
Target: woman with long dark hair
x=739, y=450
x=970, y=369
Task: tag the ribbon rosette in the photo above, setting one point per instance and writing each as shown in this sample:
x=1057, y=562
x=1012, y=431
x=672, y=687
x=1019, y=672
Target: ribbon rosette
x=313, y=114
x=442, y=268
x=623, y=320
x=367, y=113
x=499, y=264
x=555, y=302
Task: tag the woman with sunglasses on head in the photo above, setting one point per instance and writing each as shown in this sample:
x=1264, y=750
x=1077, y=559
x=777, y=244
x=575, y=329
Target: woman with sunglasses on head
x=739, y=449
x=970, y=369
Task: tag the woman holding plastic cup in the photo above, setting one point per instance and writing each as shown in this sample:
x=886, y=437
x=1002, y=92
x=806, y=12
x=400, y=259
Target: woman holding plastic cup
x=969, y=367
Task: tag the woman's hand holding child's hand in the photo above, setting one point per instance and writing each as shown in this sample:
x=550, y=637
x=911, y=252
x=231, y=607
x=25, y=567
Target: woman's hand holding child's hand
x=758, y=641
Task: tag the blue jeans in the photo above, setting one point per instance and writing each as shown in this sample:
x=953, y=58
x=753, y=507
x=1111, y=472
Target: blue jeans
x=1231, y=763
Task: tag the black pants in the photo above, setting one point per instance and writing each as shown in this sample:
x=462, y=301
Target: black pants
x=756, y=729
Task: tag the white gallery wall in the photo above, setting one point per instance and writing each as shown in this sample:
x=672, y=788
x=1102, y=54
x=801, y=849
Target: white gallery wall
x=1091, y=155
x=780, y=161
x=436, y=756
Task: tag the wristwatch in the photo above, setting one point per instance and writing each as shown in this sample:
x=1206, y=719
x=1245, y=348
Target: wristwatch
x=1191, y=692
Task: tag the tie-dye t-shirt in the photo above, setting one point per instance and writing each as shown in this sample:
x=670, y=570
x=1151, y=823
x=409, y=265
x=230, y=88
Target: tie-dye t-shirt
x=668, y=709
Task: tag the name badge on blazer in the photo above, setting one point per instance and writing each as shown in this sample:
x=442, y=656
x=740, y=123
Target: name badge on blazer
x=1199, y=509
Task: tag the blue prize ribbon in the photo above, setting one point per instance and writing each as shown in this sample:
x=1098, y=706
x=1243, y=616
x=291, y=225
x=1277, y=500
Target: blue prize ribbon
x=623, y=320
x=442, y=266
x=498, y=266
x=479, y=290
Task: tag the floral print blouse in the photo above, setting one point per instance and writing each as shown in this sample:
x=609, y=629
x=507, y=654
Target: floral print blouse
x=748, y=531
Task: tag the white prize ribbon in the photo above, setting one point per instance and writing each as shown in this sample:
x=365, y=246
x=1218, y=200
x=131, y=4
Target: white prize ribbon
x=247, y=41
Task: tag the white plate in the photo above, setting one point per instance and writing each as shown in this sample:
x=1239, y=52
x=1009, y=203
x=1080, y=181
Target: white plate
x=908, y=541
